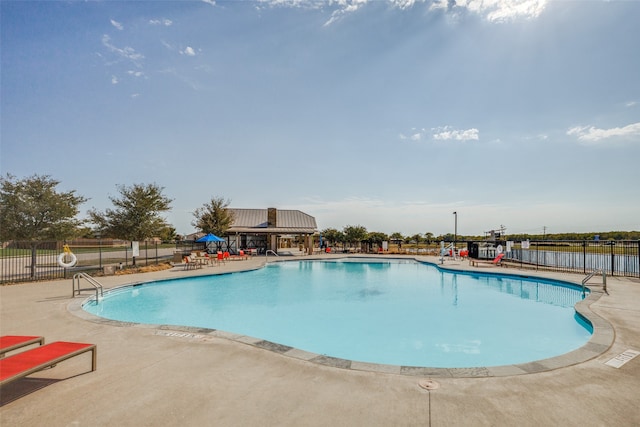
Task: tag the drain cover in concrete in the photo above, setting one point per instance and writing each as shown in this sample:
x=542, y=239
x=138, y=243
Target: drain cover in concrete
x=428, y=384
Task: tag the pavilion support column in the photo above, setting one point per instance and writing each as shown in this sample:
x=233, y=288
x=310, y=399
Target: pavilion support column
x=309, y=244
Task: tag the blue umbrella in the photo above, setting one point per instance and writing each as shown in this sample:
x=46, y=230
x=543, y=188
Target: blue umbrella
x=210, y=238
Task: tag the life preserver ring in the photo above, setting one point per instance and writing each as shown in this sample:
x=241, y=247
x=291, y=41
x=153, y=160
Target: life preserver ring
x=69, y=264
x=499, y=249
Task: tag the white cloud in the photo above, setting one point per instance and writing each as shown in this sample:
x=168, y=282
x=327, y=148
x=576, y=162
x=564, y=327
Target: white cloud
x=188, y=51
x=165, y=22
x=117, y=25
x=404, y=4
x=135, y=73
x=591, y=134
x=211, y=2
x=496, y=10
x=415, y=135
x=441, y=134
x=345, y=7
x=502, y=10
x=447, y=133
x=492, y=10
x=125, y=52
x=114, y=80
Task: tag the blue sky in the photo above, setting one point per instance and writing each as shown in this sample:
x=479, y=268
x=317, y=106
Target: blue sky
x=386, y=114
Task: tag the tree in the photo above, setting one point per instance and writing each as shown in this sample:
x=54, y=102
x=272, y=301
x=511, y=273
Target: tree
x=428, y=237
x=354, y=233
x=136, y=215
x=213, y=217
x=417, y=238
x=331, y=236
x=396, y=236
x=168, y=234
x=31, y=209
x=375, y=237
x=447, y=237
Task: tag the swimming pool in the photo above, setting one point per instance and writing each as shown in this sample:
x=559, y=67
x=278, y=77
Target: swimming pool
x=395, y=312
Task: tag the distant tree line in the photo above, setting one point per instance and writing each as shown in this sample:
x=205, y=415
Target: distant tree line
x=32, y=209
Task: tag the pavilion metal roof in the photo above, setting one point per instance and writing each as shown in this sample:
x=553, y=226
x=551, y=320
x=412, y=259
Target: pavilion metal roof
x=287, y=222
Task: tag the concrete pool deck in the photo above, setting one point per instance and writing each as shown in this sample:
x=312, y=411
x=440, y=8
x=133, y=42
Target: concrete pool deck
x=151, y=375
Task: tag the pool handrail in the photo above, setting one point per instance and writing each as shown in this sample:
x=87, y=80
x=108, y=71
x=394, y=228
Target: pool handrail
x=266, y=254
x=590, y=275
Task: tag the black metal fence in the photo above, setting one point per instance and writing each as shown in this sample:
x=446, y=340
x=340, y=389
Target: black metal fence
x=30, y=261
x=615, y=258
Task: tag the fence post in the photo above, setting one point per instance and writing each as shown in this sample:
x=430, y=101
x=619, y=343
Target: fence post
x=584, y=257
x=613, y=264
x=64, y=270
x=156, y=253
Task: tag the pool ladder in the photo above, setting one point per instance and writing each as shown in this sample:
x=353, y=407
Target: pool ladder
x=266, y=254
x=590, y=275
x=97, y=286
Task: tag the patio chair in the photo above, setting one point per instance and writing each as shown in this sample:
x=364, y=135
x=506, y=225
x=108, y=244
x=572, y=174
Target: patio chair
x=13, y=342
x=191, y=262
x=239, y=256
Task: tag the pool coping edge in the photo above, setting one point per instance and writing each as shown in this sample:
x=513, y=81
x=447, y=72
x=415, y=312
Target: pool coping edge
x=601, y=340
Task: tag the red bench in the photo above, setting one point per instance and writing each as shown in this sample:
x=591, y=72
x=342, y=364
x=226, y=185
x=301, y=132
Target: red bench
x=477, y=262
x=27, y=362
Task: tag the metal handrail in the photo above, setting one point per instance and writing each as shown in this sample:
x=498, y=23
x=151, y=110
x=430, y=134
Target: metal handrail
x=93, y=282
x=590, y=275
x=267, y=253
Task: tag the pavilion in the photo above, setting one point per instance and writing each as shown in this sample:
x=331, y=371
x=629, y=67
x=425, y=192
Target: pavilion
x=271, y=229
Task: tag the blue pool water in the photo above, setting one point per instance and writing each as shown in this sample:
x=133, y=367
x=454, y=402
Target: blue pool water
x=393, y=312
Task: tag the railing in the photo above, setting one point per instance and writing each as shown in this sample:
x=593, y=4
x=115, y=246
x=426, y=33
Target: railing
x=266, y=254
x=590, y=275
x=24, y=261
x=97, y=286
x=615, y=258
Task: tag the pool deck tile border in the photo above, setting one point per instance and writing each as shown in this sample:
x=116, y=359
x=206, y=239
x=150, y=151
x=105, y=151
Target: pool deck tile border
x=272, y=346
x=601, y=340
x=375, y=367
x=296, y=353
x=334, y=362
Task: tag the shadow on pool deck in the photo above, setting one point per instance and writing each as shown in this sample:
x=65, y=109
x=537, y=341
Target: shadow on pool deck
x=151, y=375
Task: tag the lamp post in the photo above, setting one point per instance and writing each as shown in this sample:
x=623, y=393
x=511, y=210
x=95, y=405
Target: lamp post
x=455, y=232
